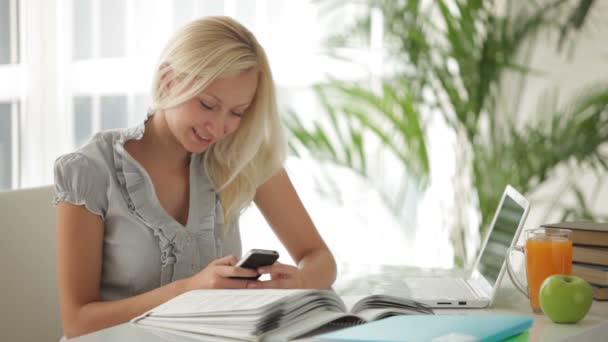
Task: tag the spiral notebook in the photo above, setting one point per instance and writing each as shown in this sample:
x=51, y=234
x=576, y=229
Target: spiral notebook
x=439, y=328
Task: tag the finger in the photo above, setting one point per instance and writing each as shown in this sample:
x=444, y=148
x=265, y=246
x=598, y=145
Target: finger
x=278, y=276
x=229, y=260
x=255, y=284
x=278, y=268
x=272, y=284
x=229, y=283
x=231, y=271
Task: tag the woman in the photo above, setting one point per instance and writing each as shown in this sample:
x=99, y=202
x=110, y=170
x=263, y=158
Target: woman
x=147, y=213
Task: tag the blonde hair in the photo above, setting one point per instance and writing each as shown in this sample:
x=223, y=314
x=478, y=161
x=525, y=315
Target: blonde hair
x=216, y=47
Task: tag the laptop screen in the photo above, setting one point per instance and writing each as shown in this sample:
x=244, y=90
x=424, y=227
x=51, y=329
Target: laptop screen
x=508, y=218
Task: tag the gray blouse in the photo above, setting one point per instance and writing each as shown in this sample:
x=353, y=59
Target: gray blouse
x=144, y=247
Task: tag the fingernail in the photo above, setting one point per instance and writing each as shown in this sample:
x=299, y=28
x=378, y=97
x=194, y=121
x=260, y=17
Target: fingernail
x=252, y=285
x=262, y=270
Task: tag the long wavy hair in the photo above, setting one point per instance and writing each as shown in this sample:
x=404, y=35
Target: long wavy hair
x=217, y=47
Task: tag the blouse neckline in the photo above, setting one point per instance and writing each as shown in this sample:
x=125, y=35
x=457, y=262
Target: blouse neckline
x=137, y=133
x=137, y=188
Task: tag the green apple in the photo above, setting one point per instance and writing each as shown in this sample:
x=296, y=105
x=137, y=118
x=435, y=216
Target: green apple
x=565, y=298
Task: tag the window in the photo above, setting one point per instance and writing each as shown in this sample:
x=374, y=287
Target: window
x=186, y=10
x=112, y=28
x=113, y=110
x=9, y=31
x=83, y=29
x=141, y=106
x=9, y=93
x=5, y=145
x=9, y=122
x=5, y=32
x=111, y=53
x=83, y=119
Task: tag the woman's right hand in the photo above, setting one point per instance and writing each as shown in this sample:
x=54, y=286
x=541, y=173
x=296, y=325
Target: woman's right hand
x=217, y=275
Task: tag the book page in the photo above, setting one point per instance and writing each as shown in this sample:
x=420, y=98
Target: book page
x=220, y=302
x=246, y=314
x=351, y=300
x=374, y=314
x=370, y=315
x=203, y=330
x=382, y=305
x=308, y=323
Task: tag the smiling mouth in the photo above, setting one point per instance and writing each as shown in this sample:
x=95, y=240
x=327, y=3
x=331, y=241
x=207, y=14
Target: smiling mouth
x=200, y=137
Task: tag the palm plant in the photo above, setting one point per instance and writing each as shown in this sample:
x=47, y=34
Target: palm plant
x=453, y=58
x=363, y=126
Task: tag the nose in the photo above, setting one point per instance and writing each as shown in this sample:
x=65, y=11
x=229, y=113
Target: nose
x=216, y=127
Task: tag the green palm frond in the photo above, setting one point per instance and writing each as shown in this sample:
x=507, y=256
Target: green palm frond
x=527, y=157
x=576, y=20
x=356, y=118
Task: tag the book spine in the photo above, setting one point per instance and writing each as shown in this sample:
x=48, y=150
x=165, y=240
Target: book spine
x=591, y=276
x=590, y=255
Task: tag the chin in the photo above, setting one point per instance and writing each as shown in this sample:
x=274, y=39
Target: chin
x=196, y=149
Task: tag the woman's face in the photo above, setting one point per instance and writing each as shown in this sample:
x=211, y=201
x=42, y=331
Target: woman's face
x=213, y=114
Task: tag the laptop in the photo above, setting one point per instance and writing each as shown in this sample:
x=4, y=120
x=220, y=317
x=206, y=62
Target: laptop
x=478, y=288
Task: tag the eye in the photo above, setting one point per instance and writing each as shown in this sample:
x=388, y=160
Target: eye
x=237, y=114
x=205, y=105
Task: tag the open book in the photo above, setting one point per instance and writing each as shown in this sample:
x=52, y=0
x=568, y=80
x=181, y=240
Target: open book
x=269, y=315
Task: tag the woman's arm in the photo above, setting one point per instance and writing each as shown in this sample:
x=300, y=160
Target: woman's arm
x=279, y=203
x=79, y=263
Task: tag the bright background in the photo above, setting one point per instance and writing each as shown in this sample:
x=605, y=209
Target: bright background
x=69, y=68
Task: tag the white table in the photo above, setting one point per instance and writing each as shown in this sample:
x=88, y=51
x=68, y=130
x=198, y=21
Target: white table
x=594, y=327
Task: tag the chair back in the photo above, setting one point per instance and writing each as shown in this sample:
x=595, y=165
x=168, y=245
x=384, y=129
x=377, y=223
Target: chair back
x=30, y=306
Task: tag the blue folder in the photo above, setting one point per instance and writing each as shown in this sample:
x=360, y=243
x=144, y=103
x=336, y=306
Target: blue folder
x=464, y=327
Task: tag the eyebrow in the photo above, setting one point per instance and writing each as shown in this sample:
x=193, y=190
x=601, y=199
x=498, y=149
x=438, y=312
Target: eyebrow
x=220, y=101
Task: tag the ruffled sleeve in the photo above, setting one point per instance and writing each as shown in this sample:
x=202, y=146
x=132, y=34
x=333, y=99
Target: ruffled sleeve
x=79, y=181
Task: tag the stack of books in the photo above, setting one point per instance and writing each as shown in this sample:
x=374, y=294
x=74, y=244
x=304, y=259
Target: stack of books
x=589, y=254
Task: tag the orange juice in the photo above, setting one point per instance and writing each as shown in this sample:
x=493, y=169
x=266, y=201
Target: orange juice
x=545, y=256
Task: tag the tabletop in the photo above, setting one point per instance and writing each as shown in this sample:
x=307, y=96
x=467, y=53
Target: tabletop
x=594, y=327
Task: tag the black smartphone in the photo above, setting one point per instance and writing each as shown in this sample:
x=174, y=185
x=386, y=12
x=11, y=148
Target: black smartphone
x=257, y=258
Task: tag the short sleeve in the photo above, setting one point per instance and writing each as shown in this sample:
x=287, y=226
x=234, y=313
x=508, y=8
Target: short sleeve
x=79, y=181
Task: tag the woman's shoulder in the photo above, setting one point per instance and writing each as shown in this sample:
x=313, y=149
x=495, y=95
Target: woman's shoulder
x=97, y=152
x=101, y=144
x=83, y=177
x=81, y=166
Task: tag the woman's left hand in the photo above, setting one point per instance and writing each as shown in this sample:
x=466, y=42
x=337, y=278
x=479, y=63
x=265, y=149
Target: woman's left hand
x=282, y=276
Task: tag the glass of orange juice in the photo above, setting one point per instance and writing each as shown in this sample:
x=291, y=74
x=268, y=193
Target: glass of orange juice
x=547, y=251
